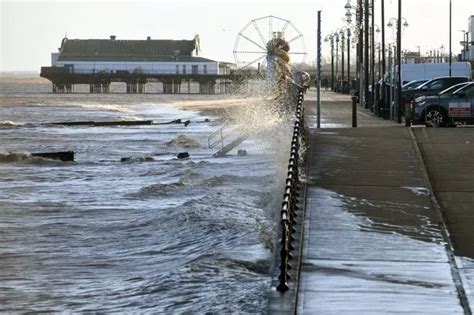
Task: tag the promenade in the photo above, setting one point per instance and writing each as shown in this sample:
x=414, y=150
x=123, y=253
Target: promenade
x=375, y=233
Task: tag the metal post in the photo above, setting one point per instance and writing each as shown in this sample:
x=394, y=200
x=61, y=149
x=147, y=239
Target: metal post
x=380, y=64
x=382, y=94
x=318, y=75
x=399, y=63
x=360, y=50
x=390, y=67
x=342, y=55
x=372, y=59
x=349, y=57
x=337, y=57
x=366, y=54
x=332, y=63
x=450, y=37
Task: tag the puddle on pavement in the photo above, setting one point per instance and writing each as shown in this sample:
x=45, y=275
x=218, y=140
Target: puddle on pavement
x=413, y=218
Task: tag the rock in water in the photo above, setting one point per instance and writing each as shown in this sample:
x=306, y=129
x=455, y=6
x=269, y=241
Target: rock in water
x=242, y=152
x=183, y=155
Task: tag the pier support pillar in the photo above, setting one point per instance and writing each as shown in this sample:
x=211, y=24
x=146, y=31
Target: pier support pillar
x=167, y=87
x=207, y=87
x=176, y=87
x=141, y=87
x=106, y=87
x=132, y=87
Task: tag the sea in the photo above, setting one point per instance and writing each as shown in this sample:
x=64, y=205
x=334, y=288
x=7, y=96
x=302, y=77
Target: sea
x=128, y=227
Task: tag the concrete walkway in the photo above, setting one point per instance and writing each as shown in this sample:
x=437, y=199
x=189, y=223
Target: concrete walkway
x=372, y=242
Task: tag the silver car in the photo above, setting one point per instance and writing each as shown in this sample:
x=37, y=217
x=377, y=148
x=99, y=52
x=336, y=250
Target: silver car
x=451, y=106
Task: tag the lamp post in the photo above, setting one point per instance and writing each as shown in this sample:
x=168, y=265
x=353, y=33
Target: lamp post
x=337, y=55
x=349, y=57
x=366, y=54
x=358, y=32
x=382, y=13
x=343, y=38
x=399, y=62
x=330, y=38
x=398, y=21
x=374, y=29
x=450, y=37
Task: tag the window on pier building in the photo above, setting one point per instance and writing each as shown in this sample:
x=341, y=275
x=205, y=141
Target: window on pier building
x=184, y=69
x=204, y=69
x=194, y=69
x=177, y=69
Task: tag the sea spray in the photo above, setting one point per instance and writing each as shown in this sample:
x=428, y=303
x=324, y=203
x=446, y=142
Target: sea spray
x=269, y=119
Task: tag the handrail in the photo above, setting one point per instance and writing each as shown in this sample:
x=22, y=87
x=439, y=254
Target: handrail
x=212, y=143
x=290, y=199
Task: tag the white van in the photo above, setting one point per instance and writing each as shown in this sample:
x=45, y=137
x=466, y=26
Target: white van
x=428, y=71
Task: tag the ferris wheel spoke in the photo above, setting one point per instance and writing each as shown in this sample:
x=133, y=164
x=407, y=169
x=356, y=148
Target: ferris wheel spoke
x=297, y=53
x=253, y=61
x=259, y=32
x=252, y=41
x=285, y=26
x=249, y=52
x=295, y=38
x=270, y=27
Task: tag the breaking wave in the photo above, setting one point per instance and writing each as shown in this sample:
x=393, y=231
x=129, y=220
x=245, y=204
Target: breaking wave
x=158, y=190
x=11, y=157
x=184, y=141
x=8, y=123
x=28, y=158
x=107, y=107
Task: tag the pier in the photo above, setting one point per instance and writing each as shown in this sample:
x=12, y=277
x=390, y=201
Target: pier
x=386, y=221
x=64, y=81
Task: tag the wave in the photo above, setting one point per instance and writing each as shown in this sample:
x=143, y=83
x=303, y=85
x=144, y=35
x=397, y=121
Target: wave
x=27, y=157
x=8, y=123
x=184, y=141
x=107, y=107
x=11, y=157
x=157, y=190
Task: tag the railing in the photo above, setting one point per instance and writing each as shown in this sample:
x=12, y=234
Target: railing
x=216, y=138
x=290, y=199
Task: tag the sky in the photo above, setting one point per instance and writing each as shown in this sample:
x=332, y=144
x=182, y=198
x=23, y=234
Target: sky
x=31, y=30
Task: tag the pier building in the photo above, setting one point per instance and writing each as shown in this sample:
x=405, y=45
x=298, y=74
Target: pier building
x=175, y=64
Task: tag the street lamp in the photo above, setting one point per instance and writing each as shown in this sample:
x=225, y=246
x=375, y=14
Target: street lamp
x=330, y=38
x=342, y=33
x=357, y=31
x=336, y=35
x=398, y=21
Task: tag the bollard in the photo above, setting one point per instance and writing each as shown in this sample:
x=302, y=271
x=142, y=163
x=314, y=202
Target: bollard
x=354, y=111
x=407, y=114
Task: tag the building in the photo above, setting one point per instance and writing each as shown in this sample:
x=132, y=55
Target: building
x=99, y=62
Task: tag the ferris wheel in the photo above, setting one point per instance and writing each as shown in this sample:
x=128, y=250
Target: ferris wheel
x=256, y=41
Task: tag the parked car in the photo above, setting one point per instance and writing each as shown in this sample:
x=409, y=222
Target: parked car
x=431, y=87
x=445, y=109
x=413, y=84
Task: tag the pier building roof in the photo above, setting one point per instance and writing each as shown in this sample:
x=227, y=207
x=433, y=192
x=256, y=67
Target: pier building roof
x=129, y=50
